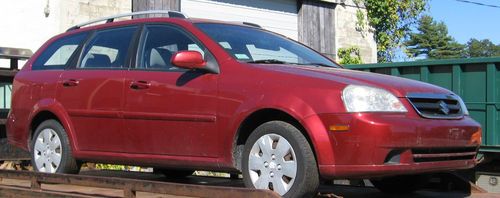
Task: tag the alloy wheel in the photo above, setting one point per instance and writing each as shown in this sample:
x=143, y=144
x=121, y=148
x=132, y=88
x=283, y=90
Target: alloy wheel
x=272, y=164
x=47, y=151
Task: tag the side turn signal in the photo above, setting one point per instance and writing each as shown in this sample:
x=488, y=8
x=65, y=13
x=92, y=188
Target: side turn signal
x=476, y=137
x=336, y=128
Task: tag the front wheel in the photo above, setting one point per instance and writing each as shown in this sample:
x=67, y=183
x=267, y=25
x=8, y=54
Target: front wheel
x=51, y=151
x=278, y=157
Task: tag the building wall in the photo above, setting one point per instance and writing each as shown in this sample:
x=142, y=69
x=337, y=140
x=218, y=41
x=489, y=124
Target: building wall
x=79, y=11
x=327, y=26
x=25, y=25
x=317, y=23
x=349, y=34
x=279, y=16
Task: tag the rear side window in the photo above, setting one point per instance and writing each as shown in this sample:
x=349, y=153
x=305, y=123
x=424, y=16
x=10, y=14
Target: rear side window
x=108, y=49
x=57, y=54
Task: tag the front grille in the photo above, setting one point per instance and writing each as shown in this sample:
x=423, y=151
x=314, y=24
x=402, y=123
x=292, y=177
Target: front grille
x=443, y=154
x=437, y=106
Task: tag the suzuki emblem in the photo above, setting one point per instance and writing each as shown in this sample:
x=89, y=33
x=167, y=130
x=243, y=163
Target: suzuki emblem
x=443, y=107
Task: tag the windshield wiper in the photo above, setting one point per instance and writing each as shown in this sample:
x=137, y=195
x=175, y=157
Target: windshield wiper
x=268, y=61
x=275, y=61
x=317, y=64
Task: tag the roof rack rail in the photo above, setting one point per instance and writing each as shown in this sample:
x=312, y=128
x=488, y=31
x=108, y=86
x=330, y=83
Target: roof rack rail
x=252, y=24
x=109, y=19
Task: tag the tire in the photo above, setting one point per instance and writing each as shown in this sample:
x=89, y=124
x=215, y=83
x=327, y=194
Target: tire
x=170, y=173
x=288, y=146
x=50, y=143
x=404, y=184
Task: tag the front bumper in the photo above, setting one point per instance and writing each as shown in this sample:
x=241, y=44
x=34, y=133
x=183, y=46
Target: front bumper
x=386, y=144
x=371, y=171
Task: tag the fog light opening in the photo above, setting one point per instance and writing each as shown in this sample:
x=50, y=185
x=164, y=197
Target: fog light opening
x=394, y=157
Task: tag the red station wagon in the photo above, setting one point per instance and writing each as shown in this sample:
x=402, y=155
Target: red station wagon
x=181, y=94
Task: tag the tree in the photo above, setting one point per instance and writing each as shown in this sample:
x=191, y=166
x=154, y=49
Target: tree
x=432, y=40
x=392, y=20
x=350, y=55
x=482, y=48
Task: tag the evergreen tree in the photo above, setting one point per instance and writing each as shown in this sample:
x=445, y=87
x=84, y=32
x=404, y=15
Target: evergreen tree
x=432, y=41
x=392, y=21
x=482, y=48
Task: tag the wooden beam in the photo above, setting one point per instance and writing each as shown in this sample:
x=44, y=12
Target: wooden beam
x=143, y=5
x=316, y=21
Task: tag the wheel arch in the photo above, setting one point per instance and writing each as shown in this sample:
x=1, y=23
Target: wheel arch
x=50, y=109
x=38, y=119
x=257, y=118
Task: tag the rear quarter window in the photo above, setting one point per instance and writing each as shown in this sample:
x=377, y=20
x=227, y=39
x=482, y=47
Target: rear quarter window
x=57, y=54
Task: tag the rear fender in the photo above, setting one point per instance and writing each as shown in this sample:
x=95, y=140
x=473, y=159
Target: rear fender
x=57, y=109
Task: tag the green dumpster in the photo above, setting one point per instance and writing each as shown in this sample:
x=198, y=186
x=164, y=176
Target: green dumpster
x=476, y=80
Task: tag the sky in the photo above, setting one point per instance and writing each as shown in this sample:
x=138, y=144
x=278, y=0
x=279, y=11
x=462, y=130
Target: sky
x=465, y=20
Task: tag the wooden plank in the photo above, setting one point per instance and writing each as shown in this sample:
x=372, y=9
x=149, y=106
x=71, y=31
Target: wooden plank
x=316, y=21
x=130, y=186
x=142, y=5
x=19, y=192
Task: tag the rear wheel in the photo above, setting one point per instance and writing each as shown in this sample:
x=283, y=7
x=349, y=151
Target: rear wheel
x=278, y=157
x=403, y=184
x=51, y=151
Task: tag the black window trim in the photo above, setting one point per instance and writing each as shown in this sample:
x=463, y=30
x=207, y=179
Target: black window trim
x=137, y=59
x=73, y=60
x=78, y=59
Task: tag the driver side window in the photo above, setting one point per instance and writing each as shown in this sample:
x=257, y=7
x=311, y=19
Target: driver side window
x=160, y=43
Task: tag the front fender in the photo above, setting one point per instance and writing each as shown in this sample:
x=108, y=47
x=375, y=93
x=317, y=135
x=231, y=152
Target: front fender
x=296, y=108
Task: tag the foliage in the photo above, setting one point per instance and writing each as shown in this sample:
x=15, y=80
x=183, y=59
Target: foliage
x=432, y=41
x=212, y=174
x=110, y=167
x=350, y=55
x=121, y=167
x=482, y=48
x=392, y=20
x=360, y=22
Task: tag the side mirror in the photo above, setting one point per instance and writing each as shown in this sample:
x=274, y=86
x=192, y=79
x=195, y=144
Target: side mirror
x=188, y=60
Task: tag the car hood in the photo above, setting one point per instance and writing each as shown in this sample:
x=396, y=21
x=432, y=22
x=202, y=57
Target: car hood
x=400, y=87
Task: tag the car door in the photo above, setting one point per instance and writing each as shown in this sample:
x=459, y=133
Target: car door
x=168, y=110
x=92, y=92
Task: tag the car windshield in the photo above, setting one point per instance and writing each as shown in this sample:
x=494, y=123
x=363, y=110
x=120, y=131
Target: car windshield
x=253, y=45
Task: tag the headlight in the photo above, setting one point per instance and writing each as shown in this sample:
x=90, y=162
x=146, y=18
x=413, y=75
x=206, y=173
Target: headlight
x=369, y=99
x=462, y=106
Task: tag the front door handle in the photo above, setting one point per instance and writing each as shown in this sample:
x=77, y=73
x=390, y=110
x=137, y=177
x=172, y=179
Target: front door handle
x=140, y=84
x=70, y=82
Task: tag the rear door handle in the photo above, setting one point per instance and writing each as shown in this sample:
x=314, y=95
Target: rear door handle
x=140, y=84
x=70, y=82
